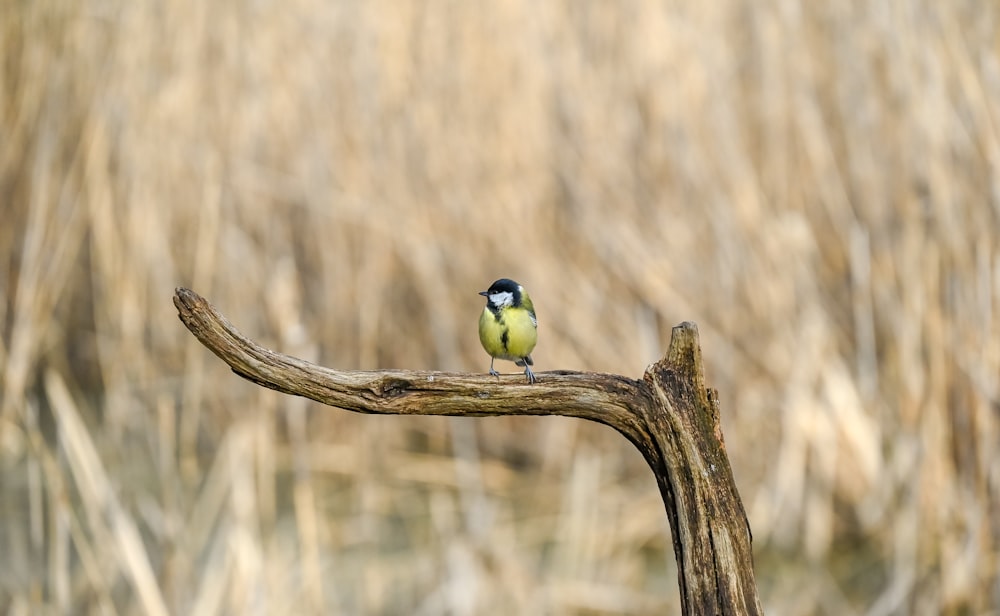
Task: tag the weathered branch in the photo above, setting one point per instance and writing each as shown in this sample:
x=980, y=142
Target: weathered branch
x=669, y=416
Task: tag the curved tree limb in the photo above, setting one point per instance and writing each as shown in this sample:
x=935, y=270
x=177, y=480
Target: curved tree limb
x=669, y=416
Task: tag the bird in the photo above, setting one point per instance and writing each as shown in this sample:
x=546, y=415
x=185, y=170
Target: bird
x=508, y=328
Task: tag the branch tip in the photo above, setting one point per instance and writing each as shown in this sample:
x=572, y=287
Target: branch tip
x=684, y=355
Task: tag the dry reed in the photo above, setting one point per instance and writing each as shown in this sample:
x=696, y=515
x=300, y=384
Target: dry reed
x=342, y=177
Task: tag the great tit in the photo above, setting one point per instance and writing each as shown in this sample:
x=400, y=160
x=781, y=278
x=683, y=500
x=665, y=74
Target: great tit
x=507, y=327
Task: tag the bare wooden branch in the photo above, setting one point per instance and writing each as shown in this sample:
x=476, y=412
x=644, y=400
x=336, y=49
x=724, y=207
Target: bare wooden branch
x=669, y=415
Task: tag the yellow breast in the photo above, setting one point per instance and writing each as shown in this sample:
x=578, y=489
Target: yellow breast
x=510, y=335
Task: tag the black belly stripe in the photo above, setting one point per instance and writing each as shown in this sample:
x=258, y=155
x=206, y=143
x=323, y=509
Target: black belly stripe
x=504, y=337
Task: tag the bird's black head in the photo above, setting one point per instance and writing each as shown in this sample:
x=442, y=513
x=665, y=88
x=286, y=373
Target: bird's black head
x=503, y=292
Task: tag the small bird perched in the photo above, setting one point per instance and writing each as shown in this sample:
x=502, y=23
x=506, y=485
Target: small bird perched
x=508, y=328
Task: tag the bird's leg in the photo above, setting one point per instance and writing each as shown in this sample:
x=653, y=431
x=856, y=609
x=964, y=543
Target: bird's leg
x=528, y=373
x=492, y=371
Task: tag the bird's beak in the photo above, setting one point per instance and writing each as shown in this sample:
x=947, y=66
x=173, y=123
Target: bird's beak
x=484, y=293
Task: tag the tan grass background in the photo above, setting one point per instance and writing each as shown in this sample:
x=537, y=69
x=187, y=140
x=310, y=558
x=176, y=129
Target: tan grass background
x=817, y=185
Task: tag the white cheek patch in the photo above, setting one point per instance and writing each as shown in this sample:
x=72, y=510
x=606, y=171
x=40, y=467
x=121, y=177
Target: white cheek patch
x=502, y=299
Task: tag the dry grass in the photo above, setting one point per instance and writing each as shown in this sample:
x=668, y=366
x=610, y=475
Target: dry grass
x=817, y=186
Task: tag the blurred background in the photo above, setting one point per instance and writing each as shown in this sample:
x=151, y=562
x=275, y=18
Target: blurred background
x=817, y=185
